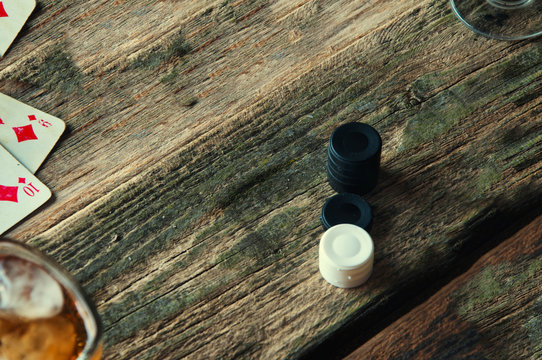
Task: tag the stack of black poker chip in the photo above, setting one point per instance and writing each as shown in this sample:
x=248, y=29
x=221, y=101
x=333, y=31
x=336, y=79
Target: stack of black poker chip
x=354, y=158
x=352, y=170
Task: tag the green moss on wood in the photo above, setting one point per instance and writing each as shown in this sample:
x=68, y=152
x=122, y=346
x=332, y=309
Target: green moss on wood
x=177, y=48
x=493, y=288
x=189, y=101
x=483, y=289
x=524, y=155
x=489, y=175
x=129, y=316
x=171, y=76
x=54, y=70
x=224, y=12
x=438, y=116
x=533, y=326
x=503, y=289
x=426, y=85
x=445, y=109
x=211, y=230
x=265, y=243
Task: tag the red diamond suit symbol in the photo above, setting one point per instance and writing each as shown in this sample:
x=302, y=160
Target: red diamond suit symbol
x=3, y=12
x=9, y=193
x=25, y=133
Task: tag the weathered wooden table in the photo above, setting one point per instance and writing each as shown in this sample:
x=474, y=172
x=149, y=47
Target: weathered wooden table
x=189, y=183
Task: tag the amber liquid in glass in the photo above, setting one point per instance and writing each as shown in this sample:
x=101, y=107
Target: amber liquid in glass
x=60, y=337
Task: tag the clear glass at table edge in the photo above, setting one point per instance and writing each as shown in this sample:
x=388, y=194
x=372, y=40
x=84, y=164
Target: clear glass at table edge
x=78, y=314
x=501, y=19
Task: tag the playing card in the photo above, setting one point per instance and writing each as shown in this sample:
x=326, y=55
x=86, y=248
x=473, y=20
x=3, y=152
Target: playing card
x=27, y=133
x=20, y=192
x=13, y=15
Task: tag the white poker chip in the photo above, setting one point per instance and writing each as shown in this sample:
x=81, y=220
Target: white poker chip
x=346, y=256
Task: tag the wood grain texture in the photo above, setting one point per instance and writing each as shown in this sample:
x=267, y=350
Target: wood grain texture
x=189, y=183
x=493, y=311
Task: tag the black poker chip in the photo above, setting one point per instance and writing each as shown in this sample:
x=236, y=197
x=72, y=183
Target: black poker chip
x=354, y=144
x=354, y=158
x=347, y=208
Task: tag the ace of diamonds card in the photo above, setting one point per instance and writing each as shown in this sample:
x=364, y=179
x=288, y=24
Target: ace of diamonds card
x=13, y=15
x=27, y=133
x=20, y=192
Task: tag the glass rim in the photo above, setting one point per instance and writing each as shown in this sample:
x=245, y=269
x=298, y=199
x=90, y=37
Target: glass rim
x=83, y=303
x=506, y=37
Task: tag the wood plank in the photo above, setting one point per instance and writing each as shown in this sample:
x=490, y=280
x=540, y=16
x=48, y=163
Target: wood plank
x=189, y=184
x=493, y=311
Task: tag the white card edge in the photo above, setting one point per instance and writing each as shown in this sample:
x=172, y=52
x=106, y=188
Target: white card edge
x=34, y=2
x=48, y=193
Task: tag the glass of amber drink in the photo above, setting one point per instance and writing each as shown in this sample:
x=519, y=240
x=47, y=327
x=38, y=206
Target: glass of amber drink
x=44, y=313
